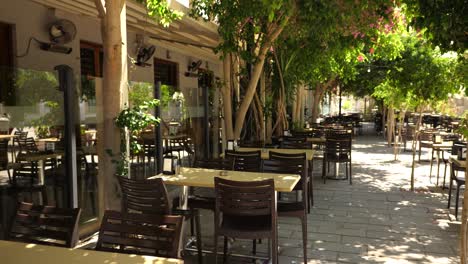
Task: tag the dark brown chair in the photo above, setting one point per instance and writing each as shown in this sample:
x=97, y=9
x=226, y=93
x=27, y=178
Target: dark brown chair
x=141, y=234
x=460, y=181
x=246, y=210
x=245, y=160
x=337, y=151
x=293, y=209
x=45, y=225
x=296, y=145
x=251, y=144
x=150, y=197
x=202, y=198
x=299, y=156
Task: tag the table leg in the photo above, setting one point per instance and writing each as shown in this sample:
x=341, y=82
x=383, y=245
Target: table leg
x=41, y=172
x=41, y=178
x=438, y=167
x=430, y=171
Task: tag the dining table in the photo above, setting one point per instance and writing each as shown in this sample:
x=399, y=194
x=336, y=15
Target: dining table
x=25, y=253
x=438, y=148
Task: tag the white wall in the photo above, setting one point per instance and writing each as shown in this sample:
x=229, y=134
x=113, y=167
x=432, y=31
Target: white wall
x=32, y=20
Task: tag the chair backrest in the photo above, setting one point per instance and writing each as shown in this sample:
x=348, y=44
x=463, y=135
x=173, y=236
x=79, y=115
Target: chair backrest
x=45, y=225
x=216, y=164
x=20, y=135
x=245, y=161
x=273, y=155
x=144, y=196
x=253, y=198
x=426, y=135
x=338, y=134
x=142, y=234
x=335, y=148
x=290, y=166
x=3, y=154
x=296, y=144
x=298, y=138
x=251, y=144
x=27, y=145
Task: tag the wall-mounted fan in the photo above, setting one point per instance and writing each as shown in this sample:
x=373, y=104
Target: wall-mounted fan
x=144, y=54
x=62, y=31
x=192, y=69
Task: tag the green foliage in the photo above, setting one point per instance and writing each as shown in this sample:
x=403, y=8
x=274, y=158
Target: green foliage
x=42, y=124
x=244, y=25
x=421, y=75
x=139, y=92
x=133, y=121
x=446, y=22
x=161, y=12
x=39, y=86
x=88, y=88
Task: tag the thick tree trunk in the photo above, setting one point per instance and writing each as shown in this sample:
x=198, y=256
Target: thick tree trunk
x=113, y=26
x=257, y=69
x=226, y=91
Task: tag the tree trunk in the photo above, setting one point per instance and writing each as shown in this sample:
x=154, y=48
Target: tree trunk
x=396, y=145
x=415, y=141
x=114, y=36
x=390, y=125
x=257, y=69
x=226, y=91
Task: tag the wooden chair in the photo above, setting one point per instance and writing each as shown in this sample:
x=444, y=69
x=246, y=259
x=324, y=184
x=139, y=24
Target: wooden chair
x=425, y=140
x=141, y=234
x=337, y=151
x=460, y=181
x=251, y=144
x=245, y=160
x=245, y=210
x=293, y=209
x=286, y=144
x=294, y=157
x=150, y=197
x=45, y=225
x=204, y=198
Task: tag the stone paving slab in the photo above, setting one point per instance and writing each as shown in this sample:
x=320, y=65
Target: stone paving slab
x=375, y=220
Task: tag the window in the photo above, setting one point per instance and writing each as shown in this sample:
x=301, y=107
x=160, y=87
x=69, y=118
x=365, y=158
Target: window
x=165, y=72
x=91, y=59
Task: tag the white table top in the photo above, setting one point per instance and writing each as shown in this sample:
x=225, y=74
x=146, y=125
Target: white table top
x=198, y=177
x=22, y=253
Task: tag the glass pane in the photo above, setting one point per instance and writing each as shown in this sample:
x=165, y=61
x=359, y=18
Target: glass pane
x=31, y=141
x=143, y=163
x=86, y=149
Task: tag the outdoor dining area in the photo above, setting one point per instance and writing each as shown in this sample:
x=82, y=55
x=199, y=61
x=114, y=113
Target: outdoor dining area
x=246, y=185
x=233, y=131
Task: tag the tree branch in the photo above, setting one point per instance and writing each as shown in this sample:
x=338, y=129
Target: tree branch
x=100, y=8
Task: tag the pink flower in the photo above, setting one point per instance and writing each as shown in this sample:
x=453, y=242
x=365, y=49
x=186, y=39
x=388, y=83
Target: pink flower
x=360, y=58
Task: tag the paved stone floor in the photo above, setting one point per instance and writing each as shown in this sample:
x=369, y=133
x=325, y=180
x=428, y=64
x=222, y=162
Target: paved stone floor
x=375, y=220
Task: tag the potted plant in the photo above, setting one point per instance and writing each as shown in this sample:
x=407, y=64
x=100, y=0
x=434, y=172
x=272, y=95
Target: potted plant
x=132, y=121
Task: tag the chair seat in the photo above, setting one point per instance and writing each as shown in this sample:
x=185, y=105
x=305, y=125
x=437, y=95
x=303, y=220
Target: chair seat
x=426, y=144
x=460, y=180
x=337, y=157
x=246, y=226
x=284, y=207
